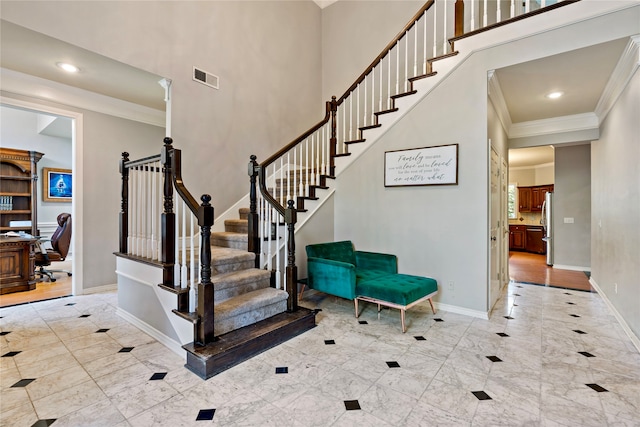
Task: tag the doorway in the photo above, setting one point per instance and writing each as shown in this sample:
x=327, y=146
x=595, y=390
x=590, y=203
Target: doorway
x=69, y=124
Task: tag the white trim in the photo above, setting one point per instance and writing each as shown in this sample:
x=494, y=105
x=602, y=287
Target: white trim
x=27, y=85
x=135, y=279
x=153, y=332
x=101, y=289
x=634, y=339
x=625, y=69
x=571, y=267
x=77, y=144
x=542, y=165
x=576, y=122
x=461, y=310
x=497, y=99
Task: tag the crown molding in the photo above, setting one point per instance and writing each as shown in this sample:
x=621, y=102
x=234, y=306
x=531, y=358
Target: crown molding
x=627, y=66
x=542, y=165
x=39, y=88
x=497, y=99
x=576, y=122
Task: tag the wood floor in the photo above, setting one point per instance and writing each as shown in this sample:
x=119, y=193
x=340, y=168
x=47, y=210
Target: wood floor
x=44, y=290
x=532, y=268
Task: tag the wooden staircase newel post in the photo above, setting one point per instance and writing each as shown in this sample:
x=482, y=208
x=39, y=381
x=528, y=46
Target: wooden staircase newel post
x=458, y=28
x=253, y=243
x=333, y=145
x=168, y=217
x=124, y=204
x=204, y=333
x=290, y=218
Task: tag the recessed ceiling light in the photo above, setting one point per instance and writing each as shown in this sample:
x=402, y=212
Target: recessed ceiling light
x=555, y=95
x=68, y=67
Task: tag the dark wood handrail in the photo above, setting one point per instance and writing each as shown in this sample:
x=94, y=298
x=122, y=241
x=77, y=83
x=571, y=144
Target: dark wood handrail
x=178, y=183
x=386, y=50
x=133, y=163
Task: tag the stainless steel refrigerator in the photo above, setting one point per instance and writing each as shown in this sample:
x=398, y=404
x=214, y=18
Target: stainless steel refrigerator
x=546, y=221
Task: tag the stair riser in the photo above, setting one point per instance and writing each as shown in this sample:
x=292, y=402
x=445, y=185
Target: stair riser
x=228, y=242
x=231, y=266
x=239, y=289
x=236, y=228
x=248, y=318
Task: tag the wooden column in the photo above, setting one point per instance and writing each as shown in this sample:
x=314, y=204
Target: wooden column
x=124, y=204
x=168, y=217
x=204, y=333
x=253, y=223
x=290, y=218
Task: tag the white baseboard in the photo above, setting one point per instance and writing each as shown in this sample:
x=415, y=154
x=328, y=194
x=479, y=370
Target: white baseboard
x=571, y=267
x=171, y=344
x=461, y=310
x=100, y=289
x=634, y=339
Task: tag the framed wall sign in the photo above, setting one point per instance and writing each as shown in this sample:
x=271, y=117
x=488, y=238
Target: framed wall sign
x=421, y=166
x=56, y=185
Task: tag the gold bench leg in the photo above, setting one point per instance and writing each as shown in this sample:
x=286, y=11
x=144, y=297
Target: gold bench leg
x=432, y=308
x=356, y=302
x=404, y=328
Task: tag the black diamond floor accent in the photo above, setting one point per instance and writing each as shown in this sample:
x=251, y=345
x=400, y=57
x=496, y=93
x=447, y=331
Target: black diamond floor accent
x=100, y=331
x=437, y=319
x=43, y=423
x=574, y=315
x=71, y=303
x=393, y=364
x=481, y=395
x=125, y=350
x=363, y=322
x=571, y=303
x=352, y=405
x=329, y=342
x=205, y=414
x=24, y=382
x=516, y=295
x=158, y=376
x=578, y=331
x=502, y=334
x=597, y=388
x=508, y=317
x=515, y=305
x=494, y=358
x=84, y=315
x=282, y=370
x=11, y=353
x=518, y=286
x=317, y=310
x=420, y=338
x=568, y=293
x=4, y=333
x=586, y=354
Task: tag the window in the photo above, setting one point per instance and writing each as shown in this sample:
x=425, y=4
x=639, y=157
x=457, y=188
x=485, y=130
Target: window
x=511, y=201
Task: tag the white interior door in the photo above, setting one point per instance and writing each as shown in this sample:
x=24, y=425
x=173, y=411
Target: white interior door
x=495, y=229
x=504, y=220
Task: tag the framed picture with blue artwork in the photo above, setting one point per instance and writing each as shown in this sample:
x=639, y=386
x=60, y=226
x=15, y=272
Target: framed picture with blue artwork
x=57, y=185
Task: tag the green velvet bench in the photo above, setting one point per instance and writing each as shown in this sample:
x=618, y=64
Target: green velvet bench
x=336, y=268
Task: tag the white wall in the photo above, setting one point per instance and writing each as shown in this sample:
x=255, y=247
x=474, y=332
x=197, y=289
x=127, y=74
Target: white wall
x=572, y=199
x=266, y=53
x=19, y=130
x=615, y=195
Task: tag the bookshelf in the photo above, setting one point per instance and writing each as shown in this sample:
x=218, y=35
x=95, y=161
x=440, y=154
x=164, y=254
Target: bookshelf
x=19, y=190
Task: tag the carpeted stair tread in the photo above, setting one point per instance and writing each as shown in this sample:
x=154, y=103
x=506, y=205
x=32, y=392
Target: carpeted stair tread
x=224, y=260
x=244, y=213
x=249, y=302
x=230, y=239
x=236, y=225
x=232, y=284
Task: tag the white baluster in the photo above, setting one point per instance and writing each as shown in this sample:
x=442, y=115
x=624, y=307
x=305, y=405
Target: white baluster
x=405, y=83
x=193, y=296
x=279, y=187
x=139, y=214
x=415, y=49
x=351, y=116
x=472, y=22
x=313, y=162
x=358, y=110
x=154, y=213
x=424, y=43
x=499, y=11
x=398, y=67
x=543, y=3
x=381, y=78
x=435, y=28
x=288, y=180
x=444, y=29
x=485, y=15
x=365, y=102
x=302, y=189
x=512, y=10
x=176, y=264
x=324, y=147
x=269, y=239
x=131, y=211
x=160, y=210
x=145, y=213
x=389, y=79
x=277, y=249
x=184, y=276
x=527, y=6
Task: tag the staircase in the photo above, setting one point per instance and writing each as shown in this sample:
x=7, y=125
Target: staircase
x=243, y=308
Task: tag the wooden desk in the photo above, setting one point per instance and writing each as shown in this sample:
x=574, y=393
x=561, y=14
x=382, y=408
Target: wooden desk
x=17, y=266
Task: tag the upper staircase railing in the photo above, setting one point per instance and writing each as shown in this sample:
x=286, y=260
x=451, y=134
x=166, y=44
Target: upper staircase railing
x=296, y=172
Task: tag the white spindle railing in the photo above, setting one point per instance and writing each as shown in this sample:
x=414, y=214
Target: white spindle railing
x=145, y=189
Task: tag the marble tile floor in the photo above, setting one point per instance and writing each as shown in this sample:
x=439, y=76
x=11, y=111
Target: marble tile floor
x=547, y=357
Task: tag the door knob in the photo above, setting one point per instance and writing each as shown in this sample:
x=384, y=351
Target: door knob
x=493, y=238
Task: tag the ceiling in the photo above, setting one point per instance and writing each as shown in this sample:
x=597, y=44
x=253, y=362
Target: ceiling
x=581, y=74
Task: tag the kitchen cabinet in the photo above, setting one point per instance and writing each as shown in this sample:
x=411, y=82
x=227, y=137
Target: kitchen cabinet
x=517, y=237
x=530, y=199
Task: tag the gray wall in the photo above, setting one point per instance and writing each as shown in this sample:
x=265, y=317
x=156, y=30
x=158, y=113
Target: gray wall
x=615, y=194
x=266, y=53
x=572, y=199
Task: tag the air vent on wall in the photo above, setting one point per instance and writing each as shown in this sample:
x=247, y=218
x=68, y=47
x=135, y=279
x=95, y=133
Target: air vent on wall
x=205, y=78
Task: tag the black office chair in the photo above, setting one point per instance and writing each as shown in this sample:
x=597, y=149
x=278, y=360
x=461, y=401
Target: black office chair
x=60, y=242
